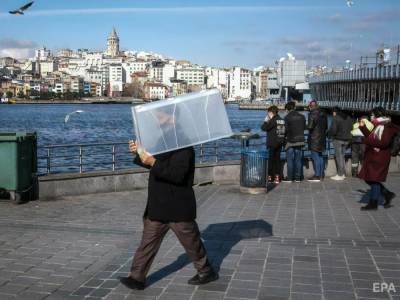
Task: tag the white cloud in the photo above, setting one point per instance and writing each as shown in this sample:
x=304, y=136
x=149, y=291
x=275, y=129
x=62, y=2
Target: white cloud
x=17, y=49
x=17, y=53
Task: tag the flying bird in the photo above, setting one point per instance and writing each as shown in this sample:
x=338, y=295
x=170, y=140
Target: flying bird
x=350, y=3
x=20, y=11
x=70, y=114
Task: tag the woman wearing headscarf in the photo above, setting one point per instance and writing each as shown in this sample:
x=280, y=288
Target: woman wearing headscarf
x=377, y=156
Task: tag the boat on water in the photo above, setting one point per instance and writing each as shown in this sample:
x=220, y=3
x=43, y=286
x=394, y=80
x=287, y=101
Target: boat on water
x=8, y=101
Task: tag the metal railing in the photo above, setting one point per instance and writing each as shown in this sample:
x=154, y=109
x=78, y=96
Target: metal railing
x=82, y=158
x=372, y=73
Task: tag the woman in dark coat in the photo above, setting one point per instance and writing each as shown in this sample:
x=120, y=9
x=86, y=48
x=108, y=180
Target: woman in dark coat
x=377, y=157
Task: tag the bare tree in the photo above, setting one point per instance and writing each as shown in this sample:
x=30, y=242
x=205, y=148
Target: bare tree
x=134, y=89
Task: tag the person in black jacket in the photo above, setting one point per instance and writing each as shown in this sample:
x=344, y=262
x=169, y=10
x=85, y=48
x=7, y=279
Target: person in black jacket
x=274, y=125
x=171, y=204
x=295, y=124
x=340, y=132
x=317, y=126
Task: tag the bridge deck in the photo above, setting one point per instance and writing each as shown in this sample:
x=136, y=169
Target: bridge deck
x=299, y=241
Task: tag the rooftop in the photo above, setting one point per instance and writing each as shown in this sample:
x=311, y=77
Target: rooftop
x=299, y=241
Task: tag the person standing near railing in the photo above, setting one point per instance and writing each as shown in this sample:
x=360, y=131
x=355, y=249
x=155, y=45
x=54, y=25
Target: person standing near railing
x=377, y=157
x=317, y=127
x=340, y=133
x=274, y=125
x=357, y=145
x=295, y=124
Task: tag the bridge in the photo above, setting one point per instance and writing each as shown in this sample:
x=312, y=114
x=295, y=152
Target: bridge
x=359, y=89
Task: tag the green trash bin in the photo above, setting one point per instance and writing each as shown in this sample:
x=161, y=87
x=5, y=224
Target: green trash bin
x=18, y=165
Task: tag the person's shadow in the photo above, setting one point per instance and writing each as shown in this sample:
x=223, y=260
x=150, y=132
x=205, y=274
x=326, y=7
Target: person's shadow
x=219, y=239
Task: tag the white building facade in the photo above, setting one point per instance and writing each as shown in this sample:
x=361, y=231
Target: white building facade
x=193, y=76
x=115, y=79
x=239, y=84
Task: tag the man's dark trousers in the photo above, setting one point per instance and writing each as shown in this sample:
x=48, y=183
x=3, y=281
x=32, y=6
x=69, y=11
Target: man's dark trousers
x=154, y=232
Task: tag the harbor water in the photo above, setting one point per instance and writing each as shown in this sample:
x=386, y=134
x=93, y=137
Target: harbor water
x=99, y=123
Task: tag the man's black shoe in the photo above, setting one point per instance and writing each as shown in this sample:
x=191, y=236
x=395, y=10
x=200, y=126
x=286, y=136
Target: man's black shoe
x=203, y=278
x=298, y=179
x=131, y=283
x=388, y=199
x=372, y=205
x=314, y=179
x=287, y=179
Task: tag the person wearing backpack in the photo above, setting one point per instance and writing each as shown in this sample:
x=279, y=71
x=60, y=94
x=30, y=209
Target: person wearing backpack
x=377, y=157
x=274, y=125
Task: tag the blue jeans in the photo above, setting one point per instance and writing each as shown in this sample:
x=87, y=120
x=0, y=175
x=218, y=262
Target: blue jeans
x=377, y=190
x=294, y=157
x=318, y=163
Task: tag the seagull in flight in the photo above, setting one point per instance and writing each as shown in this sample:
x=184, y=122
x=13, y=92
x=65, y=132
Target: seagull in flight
x=20, y=11
x=350, y=3
x=70, y=114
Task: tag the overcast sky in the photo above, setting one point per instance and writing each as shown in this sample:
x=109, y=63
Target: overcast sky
x=248, y=33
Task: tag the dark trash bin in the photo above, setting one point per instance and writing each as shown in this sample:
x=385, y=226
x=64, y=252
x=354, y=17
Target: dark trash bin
x=253, y=171
x=18, y=165
x=253, y=164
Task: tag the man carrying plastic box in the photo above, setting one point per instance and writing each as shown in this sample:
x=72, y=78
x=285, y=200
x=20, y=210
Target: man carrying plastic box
x=171, y=204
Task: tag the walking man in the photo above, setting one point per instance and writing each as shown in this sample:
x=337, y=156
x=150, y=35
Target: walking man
x=317, y=125
x=295, y=124
x=171, y=204
x=340, y=132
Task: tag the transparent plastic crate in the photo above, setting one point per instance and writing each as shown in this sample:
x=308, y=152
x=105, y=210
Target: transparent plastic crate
x=179, y=122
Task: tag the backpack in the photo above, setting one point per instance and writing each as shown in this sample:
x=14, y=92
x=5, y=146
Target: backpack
x=395, y=145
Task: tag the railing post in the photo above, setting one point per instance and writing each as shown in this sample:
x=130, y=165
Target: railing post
x=80, y=159
x=48, y=161
x=201, y=153
x=216, y=152
x=113, y=157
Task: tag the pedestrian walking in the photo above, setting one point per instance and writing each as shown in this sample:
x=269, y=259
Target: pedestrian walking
x=377, y=157
x=274, y=125
x=340, y=133
x=171, y=204
x=317, y=127
x=295, y=124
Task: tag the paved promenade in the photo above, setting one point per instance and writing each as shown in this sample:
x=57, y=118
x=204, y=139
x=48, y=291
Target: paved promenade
x=299, y=241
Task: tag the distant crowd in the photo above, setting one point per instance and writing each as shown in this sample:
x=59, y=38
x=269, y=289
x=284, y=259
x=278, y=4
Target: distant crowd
x=373, y=140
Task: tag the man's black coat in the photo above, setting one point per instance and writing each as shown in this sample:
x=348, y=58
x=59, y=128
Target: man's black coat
x=170, y=194
x=317, y=127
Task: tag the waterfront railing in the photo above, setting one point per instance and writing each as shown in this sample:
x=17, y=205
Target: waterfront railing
x=99, y=157
x=364, y=73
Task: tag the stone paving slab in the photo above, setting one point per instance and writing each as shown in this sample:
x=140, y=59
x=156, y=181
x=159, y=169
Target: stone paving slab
x=299, y=241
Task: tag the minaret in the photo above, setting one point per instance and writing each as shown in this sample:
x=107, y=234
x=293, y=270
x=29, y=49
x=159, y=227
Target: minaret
x=113, y=44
